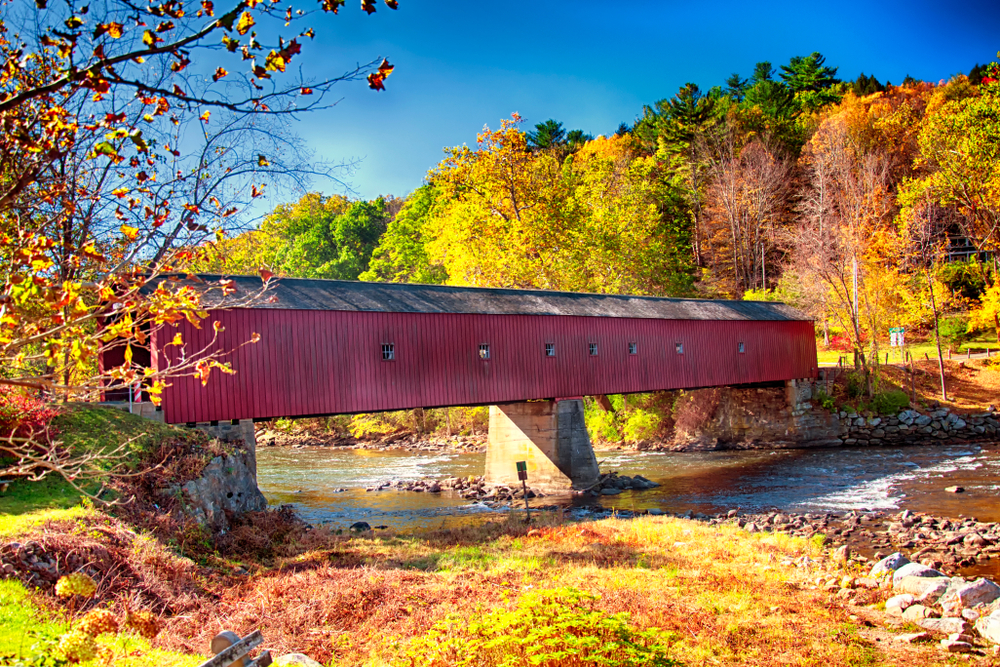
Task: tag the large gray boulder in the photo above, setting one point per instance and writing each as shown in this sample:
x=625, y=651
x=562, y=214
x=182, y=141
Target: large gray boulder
x=924, y=588
x=989, y=629
x=914, y=570
x=227, y=484
x=980, y=591
x=944, y=626
x=888, y=565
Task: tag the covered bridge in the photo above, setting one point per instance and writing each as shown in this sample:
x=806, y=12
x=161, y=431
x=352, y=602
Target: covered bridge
x=334, y=347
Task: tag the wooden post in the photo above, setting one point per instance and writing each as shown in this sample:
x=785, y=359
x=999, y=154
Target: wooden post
x=231, y=651
x=522, y=474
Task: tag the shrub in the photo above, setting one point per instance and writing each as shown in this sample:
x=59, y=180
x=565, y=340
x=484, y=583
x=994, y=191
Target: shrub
x=642, y=425
x=603, y=426
x=547, y=628
x=371, y=424
x=954, y=331
x=21, y=414
x=825, y=400
x=890, y=402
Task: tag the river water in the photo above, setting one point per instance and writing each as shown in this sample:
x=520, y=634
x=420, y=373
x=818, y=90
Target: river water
x=327, y=485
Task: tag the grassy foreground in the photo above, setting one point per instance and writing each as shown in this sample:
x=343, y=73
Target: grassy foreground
x=647, y=591
x=653, y=590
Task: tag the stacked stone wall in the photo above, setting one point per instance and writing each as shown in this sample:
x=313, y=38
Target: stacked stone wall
x=789, y=417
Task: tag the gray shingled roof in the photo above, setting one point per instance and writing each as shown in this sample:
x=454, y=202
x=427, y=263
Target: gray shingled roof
x=309, y=294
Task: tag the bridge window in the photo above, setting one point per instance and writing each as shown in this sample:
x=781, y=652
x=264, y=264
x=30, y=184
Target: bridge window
x=741, y=348
x=388, y=352
x=633, y=348
x=593, y=349
x=484, y=351
x=679, y=347
x=550, y=349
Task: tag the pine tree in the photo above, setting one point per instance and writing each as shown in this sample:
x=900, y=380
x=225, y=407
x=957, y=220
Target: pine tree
x=736, y=87
x=549, y=134
x=808, y=73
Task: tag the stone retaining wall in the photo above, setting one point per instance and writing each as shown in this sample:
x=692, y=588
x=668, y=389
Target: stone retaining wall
x=789, y=417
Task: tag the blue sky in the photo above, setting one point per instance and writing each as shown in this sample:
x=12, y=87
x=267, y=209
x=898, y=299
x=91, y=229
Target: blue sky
x=460, y=65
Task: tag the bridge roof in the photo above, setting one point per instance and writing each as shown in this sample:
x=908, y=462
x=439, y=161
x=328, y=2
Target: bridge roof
x=345, y=295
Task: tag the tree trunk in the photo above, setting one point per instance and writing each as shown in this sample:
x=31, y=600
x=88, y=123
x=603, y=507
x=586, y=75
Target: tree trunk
x=937, y=337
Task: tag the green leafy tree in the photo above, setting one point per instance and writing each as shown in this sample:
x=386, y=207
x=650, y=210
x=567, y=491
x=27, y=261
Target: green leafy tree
x=401, y=255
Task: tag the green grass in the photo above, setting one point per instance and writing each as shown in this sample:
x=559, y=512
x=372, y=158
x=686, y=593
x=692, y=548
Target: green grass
x=918, y=350
x=87, y=429
x=29, y=634
x=26, y=631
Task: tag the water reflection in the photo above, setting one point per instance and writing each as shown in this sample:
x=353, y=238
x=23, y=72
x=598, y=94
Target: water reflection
x=794, y=480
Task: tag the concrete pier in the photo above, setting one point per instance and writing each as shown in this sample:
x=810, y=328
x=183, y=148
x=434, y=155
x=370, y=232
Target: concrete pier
x=550, y=436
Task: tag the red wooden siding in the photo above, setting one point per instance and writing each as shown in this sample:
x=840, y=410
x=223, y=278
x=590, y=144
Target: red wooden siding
x=314, y=362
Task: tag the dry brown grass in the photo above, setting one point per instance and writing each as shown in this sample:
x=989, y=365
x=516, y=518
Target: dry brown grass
x=729, y=597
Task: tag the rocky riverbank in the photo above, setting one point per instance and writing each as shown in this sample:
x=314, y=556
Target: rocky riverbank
x=476, y=489
x=403, y=442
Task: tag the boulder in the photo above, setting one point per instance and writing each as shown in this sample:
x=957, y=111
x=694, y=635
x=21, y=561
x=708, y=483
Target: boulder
x=360, y=527
x=887, y=565
x=955, y=647
x=914, y=570
x=227, y=484
x=295, y=660
x=916, y=612
x=913, y=637
x=944, y=626
x=980, y=591
x=925, y=588
x=895, y=605
x=989, y=629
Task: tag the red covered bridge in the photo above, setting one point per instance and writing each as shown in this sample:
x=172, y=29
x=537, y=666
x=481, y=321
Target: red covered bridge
x=333, y=347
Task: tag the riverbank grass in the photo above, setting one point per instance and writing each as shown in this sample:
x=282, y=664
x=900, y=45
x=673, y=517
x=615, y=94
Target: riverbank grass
x=669, y=591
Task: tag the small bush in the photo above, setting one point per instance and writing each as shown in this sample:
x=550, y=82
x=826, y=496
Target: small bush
x=890, y=402
x=22, y=415
x=642, y=425
x=371, y=424
x=825, y=400
x=548, y=628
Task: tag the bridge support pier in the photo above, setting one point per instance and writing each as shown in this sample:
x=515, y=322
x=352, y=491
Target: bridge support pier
x=550, y=436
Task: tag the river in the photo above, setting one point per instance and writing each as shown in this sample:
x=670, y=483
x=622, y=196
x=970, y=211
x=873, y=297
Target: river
x=327, y=485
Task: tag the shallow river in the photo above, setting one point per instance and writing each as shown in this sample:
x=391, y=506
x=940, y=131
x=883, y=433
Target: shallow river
x=792, y=480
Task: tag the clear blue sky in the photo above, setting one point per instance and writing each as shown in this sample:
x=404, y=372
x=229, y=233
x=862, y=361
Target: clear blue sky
x=592, y=65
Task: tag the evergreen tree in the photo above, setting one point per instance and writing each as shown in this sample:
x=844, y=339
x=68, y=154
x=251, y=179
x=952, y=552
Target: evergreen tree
x=623, y=129
x=549, y=134
x=866, y=85
x=762, y=71
x=736, y=87
x=977, y=73
x=808, y=74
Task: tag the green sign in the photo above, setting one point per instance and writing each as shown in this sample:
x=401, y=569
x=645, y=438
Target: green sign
x=522, y=466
